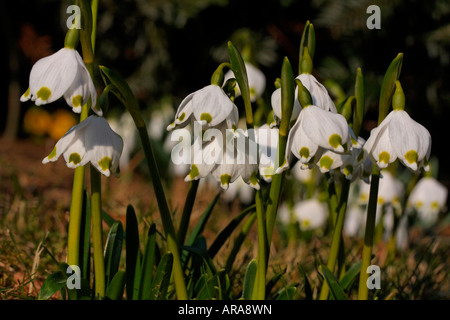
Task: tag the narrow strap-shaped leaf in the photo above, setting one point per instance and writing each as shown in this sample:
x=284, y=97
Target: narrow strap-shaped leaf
x=249, y=280
x=308, y=40
x=85, y=238
x=147, y=264
x=350, y=275
x=198, y=229
x=54, y=282
x=388, y=86
x=359, y=110
x=336, y=290
x=161, y=280
x=307, y=285
x=286, y=293
x=113, y=250
x=116, y=286
x=228, y=230
x=132, y=249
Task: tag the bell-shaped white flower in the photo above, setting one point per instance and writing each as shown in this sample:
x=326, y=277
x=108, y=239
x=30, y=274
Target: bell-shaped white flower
x=399, y=136
x=315, y=132
x=92, y=141
x=239, y=190
x=210, y=106
x=428, y=198
x=226, y=157
x=61, y=74
x=311, y=214
x=256, y=81
x=319, y=93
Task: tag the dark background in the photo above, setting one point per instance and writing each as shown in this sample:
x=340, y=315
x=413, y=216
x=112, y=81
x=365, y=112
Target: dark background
x=171, y=48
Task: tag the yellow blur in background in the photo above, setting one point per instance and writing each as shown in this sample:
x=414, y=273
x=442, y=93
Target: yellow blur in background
x=39, y=122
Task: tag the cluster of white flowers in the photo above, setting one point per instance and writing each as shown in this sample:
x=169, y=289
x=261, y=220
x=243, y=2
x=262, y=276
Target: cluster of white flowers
x=92, y=141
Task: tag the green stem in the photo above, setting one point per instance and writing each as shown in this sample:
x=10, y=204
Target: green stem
x=363, y=291
x=259, y=289
x=187, y=211
x=337, y=235
x=172, y=244
x=76, y=208
x=97, y=231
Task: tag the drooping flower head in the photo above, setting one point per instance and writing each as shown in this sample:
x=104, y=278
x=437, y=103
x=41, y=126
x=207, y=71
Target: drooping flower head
x=62, y=74
x=399, y=136
x=210, y=106
x=92, y=140
x=428, y=198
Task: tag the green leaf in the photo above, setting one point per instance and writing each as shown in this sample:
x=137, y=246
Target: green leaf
x=147, y=264
x=198, y=229
x=85, y=238
x=161, y=280
x=287, y=96
x=113, y=250
x=307, y=286
x=359, y=110
x=122, y=91
x=116, y=286
x=308, y=40
x=336, y=290
x=228, y=230
x=286, y=293
x=249, y=280
x=388, y=86
x=54, y=282
x=240, y=73
x=350, y=275
x=132, y=251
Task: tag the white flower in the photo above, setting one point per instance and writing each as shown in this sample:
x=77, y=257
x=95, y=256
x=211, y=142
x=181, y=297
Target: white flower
x=124, y=126
x=225, y=158
x=311, y=214
x=318, y=92
x=256, y=81
x=319, y=97
x=92, y=141
x=61, y=74
x=239, y=189
x=428, y=198
x=354, y=221
x=317, y=131
x=210, y=106
x=390, y=192
x=267, y=139
x=399, y=136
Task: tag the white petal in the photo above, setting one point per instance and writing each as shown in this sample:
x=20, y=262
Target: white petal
x=323, y=126
x=212, y=105
x=276, y=105
x=319, y=93
x=183, y=113
x=408, y=136
x=55, y=74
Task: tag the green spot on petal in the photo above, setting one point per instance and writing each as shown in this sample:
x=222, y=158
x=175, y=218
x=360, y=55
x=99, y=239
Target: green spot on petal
x=304, y=152
x=206, y=116
x=27, y=93
x=384, y=157
x=44, y=93
x=181, y=117
x=253, y=179
x=75, y=158
x=77, y=101
x=326, y=162
x=335, y=140
x=348, y=170
x=105, y=163
x=194, y=172
x=52, y=154
x=305, y=224
x=411, y=156
x=225, y=179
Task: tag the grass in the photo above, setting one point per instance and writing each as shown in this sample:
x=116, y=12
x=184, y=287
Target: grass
x=34, y=202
